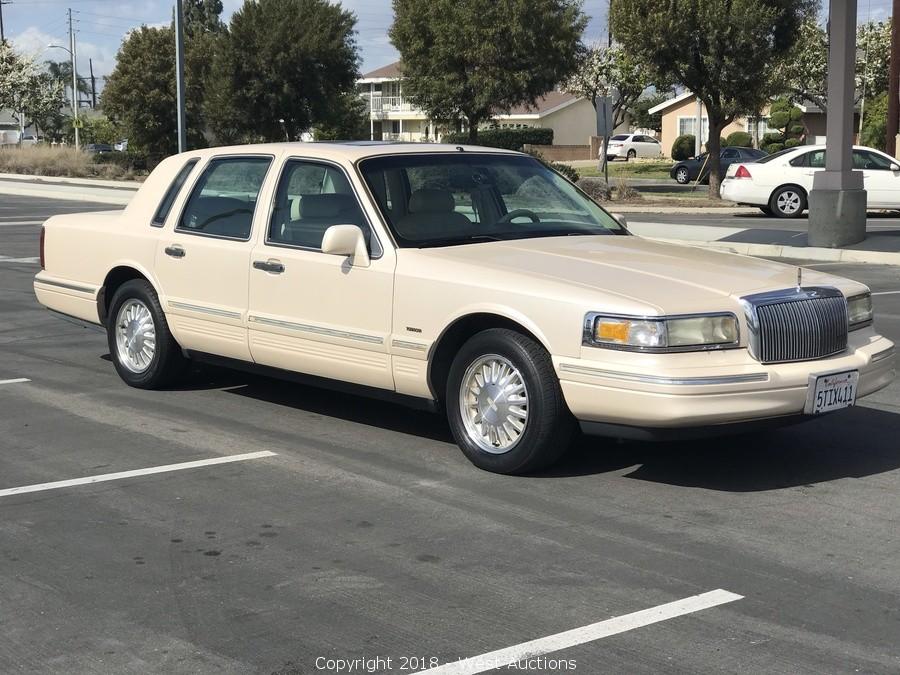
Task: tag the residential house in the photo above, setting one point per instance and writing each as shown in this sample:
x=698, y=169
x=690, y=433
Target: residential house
x=393, y=117
x=679, y=117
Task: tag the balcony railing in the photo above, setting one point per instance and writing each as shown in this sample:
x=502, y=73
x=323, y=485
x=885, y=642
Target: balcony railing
x=388, y=104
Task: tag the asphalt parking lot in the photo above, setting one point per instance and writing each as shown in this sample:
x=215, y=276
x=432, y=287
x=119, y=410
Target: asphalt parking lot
x=355, y=529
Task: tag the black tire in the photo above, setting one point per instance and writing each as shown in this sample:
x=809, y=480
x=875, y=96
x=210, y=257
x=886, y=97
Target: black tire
x=631, y=155
x=610, y=158
x=682, y=175
x=167, y=363
x=788, y=201
x=766, y=210
x=549, y=426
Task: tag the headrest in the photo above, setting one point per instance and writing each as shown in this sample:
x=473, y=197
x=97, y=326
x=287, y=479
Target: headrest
x=325, y=206
x=431, y=200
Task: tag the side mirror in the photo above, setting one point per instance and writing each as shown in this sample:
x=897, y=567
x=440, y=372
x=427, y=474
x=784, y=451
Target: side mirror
x=621, y=218
x=347, y=240
x=895, y=167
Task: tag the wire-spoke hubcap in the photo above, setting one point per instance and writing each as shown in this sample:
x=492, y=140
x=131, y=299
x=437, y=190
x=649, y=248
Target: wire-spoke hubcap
x=682, y=175
x=135, y=336
x=788, y=202
x=493, y=401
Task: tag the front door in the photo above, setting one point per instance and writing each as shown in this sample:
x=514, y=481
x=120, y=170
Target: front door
x=203, y=259
x=311, y=312
x=881, y=183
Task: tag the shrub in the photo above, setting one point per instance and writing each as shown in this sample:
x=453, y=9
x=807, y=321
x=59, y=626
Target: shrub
x=740, y=139
x=683, y=147
x=569, y=172
x=595, y=188
x=44, y=160
x=792, y=142
x=509, y=139
x=875, y=123
x=771, y=137
x=772, y=148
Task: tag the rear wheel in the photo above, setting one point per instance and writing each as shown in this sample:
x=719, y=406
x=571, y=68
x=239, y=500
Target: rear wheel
x=682, y=175
x=143, y=350
x=788, y=202
x=504, y=404
x=632, y=154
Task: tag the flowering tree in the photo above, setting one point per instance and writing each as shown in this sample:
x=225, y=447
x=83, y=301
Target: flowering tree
x=803, y=73
x=31, y=94
x=610, y=71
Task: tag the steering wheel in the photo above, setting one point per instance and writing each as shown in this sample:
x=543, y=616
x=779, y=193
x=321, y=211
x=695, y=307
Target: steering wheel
x=519, y=213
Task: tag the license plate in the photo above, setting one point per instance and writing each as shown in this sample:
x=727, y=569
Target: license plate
x=831, y=392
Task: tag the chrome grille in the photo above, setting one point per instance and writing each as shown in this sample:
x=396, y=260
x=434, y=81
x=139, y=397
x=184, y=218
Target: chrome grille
x=797, y=325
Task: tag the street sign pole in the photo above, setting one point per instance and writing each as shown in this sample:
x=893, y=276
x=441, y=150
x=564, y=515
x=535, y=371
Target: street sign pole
x=603, y=106
x=179, y=75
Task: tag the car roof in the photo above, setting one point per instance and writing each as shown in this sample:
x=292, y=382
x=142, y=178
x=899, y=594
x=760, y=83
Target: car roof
x=344, y=150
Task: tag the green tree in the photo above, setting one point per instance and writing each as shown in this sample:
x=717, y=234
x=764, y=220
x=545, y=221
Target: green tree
x=610, y=71
x=33, y=96
x=349, y=120
x=467, y=61
x=640, y=113
x=281, y=67
x=874, y=131
x=202, y=16
x=803, y=72
x=722, y=50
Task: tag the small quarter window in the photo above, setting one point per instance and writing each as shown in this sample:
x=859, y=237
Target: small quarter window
x=223, y=202
x=159, y=218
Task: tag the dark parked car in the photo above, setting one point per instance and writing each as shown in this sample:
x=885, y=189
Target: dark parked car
x=98, y=148
x=689, y=169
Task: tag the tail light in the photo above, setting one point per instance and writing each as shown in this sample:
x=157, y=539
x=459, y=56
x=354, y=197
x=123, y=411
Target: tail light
x=42, y=248
x=742, y=172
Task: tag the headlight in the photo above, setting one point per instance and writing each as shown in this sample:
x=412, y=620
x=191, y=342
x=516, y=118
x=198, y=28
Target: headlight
x=661, y=334
x=859, y=311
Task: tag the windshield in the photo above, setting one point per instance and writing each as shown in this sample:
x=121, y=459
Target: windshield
x=444, y=199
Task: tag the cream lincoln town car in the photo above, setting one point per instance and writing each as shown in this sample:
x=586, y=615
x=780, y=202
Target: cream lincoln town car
x=474, y=280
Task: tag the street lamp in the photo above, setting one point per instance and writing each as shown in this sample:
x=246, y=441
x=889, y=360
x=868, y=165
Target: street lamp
x=74, y=90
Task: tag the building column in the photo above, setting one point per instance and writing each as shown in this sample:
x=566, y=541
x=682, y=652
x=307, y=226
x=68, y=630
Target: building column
x=371, y=111
x=400, y=137
x=837, y=203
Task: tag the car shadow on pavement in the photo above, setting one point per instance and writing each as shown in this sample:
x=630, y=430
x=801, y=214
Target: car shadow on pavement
x=852, y=444
x=350, y=407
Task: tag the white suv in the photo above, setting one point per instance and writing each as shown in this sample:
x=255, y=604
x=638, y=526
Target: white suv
x=629, y=146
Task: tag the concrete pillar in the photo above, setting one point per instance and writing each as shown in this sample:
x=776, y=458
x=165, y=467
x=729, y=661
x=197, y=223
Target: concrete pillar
x=837, y=203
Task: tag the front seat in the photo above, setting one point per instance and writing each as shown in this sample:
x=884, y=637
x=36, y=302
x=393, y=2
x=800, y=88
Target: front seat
x=432, y=215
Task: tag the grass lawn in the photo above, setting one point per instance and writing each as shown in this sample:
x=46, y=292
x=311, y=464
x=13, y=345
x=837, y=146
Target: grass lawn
x=630, y=170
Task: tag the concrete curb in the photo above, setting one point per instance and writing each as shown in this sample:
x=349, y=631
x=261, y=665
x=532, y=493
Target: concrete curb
x=63, y=180
x=795, y=252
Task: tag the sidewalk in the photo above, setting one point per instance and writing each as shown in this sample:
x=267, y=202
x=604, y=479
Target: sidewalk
x=881, y=245
x=114, y=192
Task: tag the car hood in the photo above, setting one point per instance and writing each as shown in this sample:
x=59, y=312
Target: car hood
x=667, y=278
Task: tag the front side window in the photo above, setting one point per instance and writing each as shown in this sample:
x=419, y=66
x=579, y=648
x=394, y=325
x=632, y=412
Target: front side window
x=159, y=218
x=445, y=199
x=223, y=202
x=863, y=159
x=312, y=197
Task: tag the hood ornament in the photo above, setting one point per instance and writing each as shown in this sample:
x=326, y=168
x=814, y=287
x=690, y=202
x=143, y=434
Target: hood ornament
x=799, y=279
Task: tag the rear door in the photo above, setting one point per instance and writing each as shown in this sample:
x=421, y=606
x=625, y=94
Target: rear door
x=203, y=257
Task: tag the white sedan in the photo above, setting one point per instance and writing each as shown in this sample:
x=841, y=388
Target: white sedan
x=780, y=184
x=629, y=146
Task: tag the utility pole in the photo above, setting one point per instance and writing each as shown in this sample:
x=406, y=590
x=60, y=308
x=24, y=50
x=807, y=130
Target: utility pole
x=75, y=121
x=179, y=75
x=893, y=115
x=93, y=84
x=2, y=34
x=609, y=25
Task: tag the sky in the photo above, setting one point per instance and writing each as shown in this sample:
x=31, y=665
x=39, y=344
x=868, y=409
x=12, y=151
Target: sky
x=101, y=24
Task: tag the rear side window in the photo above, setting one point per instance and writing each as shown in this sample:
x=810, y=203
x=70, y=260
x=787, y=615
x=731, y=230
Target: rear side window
x=223, y=202
x=165, y=205
x=620, y=137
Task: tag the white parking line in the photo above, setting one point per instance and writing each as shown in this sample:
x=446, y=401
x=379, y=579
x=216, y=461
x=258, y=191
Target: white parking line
x=104, y=477
x=577, y=636
x=887, y=293
x=35, y=260
x=17, y=380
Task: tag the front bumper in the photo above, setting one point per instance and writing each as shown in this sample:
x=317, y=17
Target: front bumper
x=680, y=391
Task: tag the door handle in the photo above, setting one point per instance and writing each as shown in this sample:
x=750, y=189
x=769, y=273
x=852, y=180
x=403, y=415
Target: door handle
x=273, y=266
x=175, y=251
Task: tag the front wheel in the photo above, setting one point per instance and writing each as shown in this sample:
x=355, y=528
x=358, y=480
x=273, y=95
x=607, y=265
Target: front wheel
x=682, y=176
x=504, y=404
x=143, y=350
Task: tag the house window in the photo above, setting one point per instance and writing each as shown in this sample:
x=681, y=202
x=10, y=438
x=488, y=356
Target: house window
x=687, y=125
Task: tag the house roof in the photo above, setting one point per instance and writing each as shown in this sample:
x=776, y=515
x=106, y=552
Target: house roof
x=670, y=102
x=549, y=102
x=389, y=72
